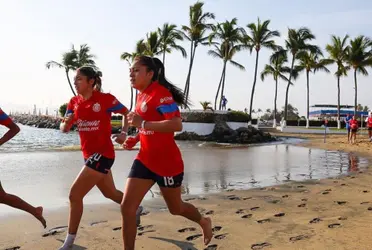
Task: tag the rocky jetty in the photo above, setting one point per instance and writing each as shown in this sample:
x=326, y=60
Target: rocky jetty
x=222, y=133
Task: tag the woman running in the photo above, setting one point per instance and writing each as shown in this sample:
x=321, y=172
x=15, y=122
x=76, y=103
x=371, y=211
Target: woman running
x=369, y=126
x=159, y=159
x=354, y=129
x=9, y=199
x=91, y=111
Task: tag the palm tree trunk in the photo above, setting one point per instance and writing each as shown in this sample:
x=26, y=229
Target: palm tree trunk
x=356, y=92
x=223, y=86
x=307, y=95
x=287, y=90
x=254, y=83
x=189, y=78
x=189, y=72
x=219, y=86
x=69, y=82
x=338, y=100
x=164, y=58
x=275, y=97
x=131, y=99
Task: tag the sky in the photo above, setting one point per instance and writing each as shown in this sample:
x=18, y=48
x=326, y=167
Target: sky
x=34, y=32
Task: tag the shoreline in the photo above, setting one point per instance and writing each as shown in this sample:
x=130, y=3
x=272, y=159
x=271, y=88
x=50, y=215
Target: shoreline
x=331, y=213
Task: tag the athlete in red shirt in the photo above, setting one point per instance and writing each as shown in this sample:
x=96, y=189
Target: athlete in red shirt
x=10, y=199
x=159, y=160
x=369, y=126
x=91, y=112
x=354, y=128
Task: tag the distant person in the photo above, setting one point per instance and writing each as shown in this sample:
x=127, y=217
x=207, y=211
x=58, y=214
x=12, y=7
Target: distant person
x=10, y=199
x=347, y=122
x=91, y=111
x=369, y=126
x=224, y=102
x=159, y=160
x=354, y=129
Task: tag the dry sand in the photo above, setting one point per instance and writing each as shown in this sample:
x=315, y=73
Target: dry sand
x=327, y=214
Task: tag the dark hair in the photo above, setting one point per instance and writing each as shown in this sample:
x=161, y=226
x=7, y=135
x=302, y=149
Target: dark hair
x=91, y=73
x=155, y=65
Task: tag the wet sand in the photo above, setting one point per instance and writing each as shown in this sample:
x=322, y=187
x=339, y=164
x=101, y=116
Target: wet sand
x=334, y=213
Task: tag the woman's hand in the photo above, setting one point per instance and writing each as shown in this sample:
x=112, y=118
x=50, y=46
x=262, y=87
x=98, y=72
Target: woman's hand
x=130, y=142
x=134, y=119
x=120, y=138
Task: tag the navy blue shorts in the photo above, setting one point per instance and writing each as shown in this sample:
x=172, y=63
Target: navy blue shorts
x=140, y=171
x=99, y=163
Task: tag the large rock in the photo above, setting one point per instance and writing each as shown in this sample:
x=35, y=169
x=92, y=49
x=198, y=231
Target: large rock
x=222, y=133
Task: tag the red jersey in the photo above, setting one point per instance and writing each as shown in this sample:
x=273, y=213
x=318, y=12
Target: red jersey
x=369, y=122
x=93, y=119
x=4, y=119
x=353, y=124
x=159, y=151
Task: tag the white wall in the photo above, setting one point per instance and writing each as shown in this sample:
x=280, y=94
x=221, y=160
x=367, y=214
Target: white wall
x=207, y=128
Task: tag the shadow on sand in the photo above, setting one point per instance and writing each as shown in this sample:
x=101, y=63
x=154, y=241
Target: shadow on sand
x=181, y=244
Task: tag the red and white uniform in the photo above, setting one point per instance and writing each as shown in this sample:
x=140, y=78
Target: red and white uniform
x=93, y=119
x=159, y=151
x=353, y=124
x=4, y=119
x=369, y=122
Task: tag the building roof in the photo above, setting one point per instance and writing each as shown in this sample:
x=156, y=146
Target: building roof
x=331, y=106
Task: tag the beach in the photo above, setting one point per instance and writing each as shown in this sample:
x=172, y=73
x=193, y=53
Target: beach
x=330, y=213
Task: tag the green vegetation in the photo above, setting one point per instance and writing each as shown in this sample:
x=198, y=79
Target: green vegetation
x=62, y=109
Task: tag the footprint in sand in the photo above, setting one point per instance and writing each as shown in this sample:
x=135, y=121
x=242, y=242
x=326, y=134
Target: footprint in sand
x=365, y=191
x=190, y=199
x=342, y=218
x=254, y=208
x=341, y=202
x=279, y=215
x=343, y=184
x=247, y=216
x=210, y=212
x=187, y=229
x=302, y=205
x=364, y=202
x=304, y=199
x=247, y=198
x=264, y=221
x=233, y=198
x=240, y=211
x=194, y=237
x=202, y=198
x=260, y=245
x=216, y=229
x=315, y=220
x=144, y=227
x=274, y=201
x=220, y=236
x=285, y=196
x=144, y=232
x=300, y=186
x=370, y=209
x=325, y=192
x=97, y=222
x=334, y=225
x=55, y=230
x=116, y=228
x=13, y=248
x=299, y=237
x=211, y=247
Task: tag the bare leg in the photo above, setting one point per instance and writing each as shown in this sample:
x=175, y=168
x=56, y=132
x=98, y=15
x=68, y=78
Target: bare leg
x=85, y=181
x=176, y=206
x=16, y=202
x=135, y=190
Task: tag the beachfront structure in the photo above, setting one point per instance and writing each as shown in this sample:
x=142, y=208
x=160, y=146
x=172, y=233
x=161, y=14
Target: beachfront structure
x=329, y=111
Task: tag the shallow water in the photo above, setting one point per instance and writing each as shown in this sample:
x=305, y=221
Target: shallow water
x=44, y=177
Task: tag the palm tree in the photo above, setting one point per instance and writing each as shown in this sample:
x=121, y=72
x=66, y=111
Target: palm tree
x=206, y=106
x=226, y=53
x=72, y=60
x=169, y=36
x=129, y=58
x=260, y=36
x=230, y=41
x=337, y=53
x=277, y=69
x=359, y=56
x=195, y=33
x=296, y=42
x=152, y=44
x=311, y=62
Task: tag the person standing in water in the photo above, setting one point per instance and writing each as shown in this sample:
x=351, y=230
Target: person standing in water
x=354, y=129
x=91, y=111
x=10, y=199
x=159, y=160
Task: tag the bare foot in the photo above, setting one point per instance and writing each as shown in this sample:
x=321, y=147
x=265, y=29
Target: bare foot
x=206, y=225
x=39, y=215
